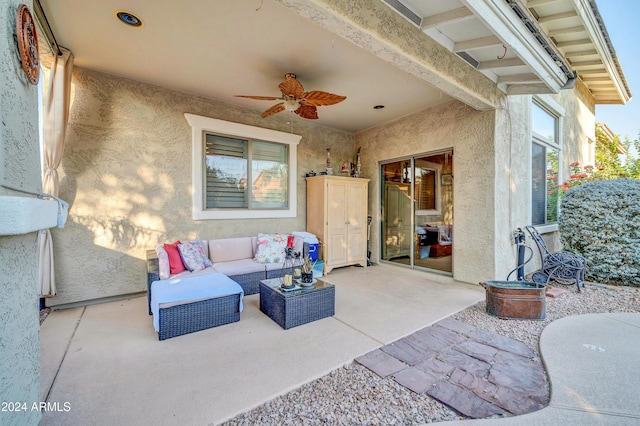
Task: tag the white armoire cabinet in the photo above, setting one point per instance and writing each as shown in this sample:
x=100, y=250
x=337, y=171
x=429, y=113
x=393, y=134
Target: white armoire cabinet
x=337, y=215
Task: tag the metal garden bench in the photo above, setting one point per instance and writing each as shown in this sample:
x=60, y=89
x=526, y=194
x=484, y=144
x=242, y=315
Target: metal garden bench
x=560, y=266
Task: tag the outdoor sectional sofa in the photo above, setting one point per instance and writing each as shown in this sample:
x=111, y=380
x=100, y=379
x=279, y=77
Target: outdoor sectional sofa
x=206, y=298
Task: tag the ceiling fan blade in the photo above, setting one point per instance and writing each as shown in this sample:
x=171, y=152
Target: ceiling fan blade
x=260, y=98
x=319, y=98
x=307, y=111
x=273, y=110
x=291, y=87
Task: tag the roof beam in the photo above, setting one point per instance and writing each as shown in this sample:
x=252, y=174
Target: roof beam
x=596, y=80
x=608, y=101
x=545, y=61
x=537, y=3
x=558, y=17
x=572, y=43
x=528, y=78
x=501, y=63
x=528, y=89
x=568, y=30
x=476, y=43
x=579, y=65
x=454, y=15
x=581, y=53
x=601, y=72
x=596, y=31
x=605, y=93
x=597, y=83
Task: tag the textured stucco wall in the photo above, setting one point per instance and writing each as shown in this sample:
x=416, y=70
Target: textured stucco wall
x=578, y=128
x=513, y=179
x=126, y=173
x=127, y=170
x=471, y=135
x=579, y=125
x=492, y=172
x=513, y=166
x=20, y=168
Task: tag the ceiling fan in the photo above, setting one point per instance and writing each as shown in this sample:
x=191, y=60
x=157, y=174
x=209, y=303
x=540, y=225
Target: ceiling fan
x=295, y=99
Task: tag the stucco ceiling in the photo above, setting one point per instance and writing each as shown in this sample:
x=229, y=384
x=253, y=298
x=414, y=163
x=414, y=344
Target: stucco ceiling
x=218, y=49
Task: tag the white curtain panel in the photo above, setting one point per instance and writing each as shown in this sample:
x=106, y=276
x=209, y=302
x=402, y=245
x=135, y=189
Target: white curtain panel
x=56, y=117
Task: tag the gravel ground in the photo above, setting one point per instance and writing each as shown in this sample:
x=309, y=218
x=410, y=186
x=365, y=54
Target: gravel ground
x=353, y=395
x=44, y=313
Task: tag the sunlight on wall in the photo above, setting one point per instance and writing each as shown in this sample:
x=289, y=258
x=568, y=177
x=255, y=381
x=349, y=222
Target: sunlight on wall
x=120, y=215
x=128, y=178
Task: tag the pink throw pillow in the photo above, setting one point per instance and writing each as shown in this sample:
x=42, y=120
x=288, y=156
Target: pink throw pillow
x=175, y=261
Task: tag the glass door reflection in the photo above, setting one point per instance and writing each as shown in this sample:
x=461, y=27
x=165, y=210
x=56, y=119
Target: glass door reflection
x=417, y=207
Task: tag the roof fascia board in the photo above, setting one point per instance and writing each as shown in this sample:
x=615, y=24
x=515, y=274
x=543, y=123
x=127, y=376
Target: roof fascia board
x=498, y=15
x=601, y=44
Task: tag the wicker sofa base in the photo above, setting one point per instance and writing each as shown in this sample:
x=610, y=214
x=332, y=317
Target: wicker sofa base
x=249, y=282
x=196, y=316
x=191, y=317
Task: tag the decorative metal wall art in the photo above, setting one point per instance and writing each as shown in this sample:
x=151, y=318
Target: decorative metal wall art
x=28, y=43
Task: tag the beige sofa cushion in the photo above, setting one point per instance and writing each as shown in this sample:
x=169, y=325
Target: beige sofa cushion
x=186, y=273
x=230, y=249
x=238, y=267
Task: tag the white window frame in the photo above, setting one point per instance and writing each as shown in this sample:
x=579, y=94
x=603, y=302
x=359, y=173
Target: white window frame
x=200, y=125
x=547, y=103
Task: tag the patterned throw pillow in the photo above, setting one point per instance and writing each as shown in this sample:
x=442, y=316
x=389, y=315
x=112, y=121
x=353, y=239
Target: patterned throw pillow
x=194, y=255
x=270, y=248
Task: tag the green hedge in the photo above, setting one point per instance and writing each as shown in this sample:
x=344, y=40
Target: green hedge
x=600, y=220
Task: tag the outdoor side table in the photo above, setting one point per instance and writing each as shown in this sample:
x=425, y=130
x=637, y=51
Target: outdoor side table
x=293, y=308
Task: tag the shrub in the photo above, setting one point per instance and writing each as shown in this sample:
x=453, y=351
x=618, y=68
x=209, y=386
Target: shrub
x=556, y=190
x=600, y=220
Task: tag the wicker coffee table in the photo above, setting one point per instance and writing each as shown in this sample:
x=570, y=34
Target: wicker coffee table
x=297, y=307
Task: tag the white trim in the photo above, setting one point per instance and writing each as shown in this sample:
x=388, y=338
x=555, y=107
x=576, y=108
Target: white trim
x=599, y=39
x=547, y=229
x=199, y=125
x=23, y=215
x=550, y=104
x=554, y=108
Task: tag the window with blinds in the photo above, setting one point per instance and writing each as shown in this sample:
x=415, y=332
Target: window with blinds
x=245, y=173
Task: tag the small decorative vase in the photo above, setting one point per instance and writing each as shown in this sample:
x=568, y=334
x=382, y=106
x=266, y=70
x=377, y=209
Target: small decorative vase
x=286, y=276
x=307, y=277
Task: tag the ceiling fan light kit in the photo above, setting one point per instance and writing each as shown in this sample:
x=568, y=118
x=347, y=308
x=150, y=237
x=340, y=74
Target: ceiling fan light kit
x=295, y=99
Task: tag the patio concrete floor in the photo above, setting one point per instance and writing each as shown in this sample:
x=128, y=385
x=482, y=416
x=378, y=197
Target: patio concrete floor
x=106, y=362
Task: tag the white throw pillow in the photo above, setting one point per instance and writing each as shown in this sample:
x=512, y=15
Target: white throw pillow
x=163, y=262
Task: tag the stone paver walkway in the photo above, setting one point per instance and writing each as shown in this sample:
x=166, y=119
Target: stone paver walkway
x=476, y=372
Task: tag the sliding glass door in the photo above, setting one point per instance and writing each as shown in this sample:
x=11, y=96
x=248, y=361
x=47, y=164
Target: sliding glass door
x=417, y=211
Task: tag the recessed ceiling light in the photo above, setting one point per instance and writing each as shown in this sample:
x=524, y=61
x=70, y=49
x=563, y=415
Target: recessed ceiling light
x=378, y=107
x=129, y=18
